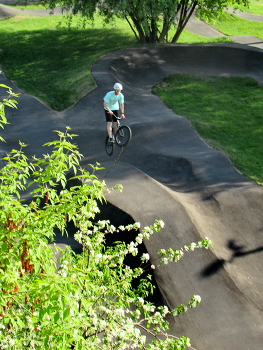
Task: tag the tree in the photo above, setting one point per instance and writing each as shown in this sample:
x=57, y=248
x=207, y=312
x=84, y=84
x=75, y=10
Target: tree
x=78, y=301
x=151, y=21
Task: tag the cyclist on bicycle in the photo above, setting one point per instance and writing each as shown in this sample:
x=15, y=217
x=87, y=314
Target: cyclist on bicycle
x=113, y=103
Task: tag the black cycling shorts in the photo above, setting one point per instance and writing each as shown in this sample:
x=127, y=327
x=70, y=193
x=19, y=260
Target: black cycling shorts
x=110, y=117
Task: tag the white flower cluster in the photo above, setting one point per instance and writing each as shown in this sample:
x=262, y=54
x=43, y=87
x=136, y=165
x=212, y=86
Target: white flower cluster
x=176, y=255
x=205, y=243
x=63, y=269
x=195, y=300
x=7, y=342
x=110, y=229
x=132, y=248
x=145, y=257
x=170, y=255
x=139, y=238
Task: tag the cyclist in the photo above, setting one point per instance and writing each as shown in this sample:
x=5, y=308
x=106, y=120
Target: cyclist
x=113, y=103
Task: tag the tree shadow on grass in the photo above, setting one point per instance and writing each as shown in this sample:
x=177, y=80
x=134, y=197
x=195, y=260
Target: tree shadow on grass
x=54, y=63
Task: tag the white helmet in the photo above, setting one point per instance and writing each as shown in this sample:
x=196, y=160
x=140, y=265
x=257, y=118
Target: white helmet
x=117, y=86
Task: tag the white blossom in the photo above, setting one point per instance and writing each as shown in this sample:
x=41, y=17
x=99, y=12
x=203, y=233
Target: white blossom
x=141, y=300
x=197, y=298
x=119, y=312
x=165, y=261
x=132, y=248
x=145, y=257
x=98, y=257
x=192, y=246
x=165, y=310
x=139, y=238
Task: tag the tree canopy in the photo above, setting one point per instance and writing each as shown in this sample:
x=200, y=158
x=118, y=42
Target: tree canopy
x=152, y=21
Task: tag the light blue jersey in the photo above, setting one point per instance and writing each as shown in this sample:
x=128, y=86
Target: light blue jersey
x=113, y=101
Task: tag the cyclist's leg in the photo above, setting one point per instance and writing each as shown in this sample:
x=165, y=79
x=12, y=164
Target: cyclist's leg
x=114, y=127
x=115, y=121
x=109, y=129
x=108, y=123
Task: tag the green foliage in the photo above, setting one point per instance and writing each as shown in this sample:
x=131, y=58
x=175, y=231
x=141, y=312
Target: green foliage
x=83, y=301
x=226, y=112
x=7, y=102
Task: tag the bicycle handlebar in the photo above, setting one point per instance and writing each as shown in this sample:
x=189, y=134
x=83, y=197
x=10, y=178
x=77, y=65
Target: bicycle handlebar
x=117, y=117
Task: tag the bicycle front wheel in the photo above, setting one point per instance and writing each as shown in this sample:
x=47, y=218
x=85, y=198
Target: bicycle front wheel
x=109, y=147
x=123, y=136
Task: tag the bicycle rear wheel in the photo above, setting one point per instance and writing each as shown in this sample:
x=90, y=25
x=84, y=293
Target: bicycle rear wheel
x=109, y=147
x=123, y=136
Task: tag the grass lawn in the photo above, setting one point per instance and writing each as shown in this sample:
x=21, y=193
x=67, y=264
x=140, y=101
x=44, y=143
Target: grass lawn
x=232, y=25
x=255, y=7
x=53, y=63
x=226, y=112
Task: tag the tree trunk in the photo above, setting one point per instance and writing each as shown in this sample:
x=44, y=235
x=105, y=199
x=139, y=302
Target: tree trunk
x=164, y=31
x=137, y=23
x=153, y=35
x=185, y=14
x=134, y=32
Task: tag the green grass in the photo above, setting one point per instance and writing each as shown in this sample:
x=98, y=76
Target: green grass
x=226, y=112
x=52, y=62
x=28, y=7
x=191, y=38
x=232, y=25
x=255, y=7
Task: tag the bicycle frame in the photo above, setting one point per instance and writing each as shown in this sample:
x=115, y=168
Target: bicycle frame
x=118, y=124
x=122, y=136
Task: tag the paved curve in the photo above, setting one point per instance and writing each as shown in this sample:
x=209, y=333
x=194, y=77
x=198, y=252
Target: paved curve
x=168, y=172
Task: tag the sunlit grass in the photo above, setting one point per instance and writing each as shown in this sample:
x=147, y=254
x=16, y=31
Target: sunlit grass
x=255, y=7
x=53, y=63
x=232, y=25
x=28, y=7
x=226, y=112
x=191, y=38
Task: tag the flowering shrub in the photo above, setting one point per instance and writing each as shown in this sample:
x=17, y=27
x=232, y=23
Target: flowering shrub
x=6, y=102
x=83, y=301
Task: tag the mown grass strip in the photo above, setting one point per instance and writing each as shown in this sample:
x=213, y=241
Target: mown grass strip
x=255, y=7
x=231, y=25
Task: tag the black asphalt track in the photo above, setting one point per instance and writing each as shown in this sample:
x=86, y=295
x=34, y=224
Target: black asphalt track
x=169, y=173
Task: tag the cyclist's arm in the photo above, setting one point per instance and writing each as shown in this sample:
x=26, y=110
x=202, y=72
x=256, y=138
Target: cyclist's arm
x=105, y=104
x=122, y=110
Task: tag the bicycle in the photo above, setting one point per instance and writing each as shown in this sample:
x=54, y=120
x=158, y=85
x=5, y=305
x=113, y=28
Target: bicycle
x=122, y=137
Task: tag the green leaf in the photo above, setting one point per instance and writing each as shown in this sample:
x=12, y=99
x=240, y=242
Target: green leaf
x=42, y=312
x=56, y=317
x=66, y=313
